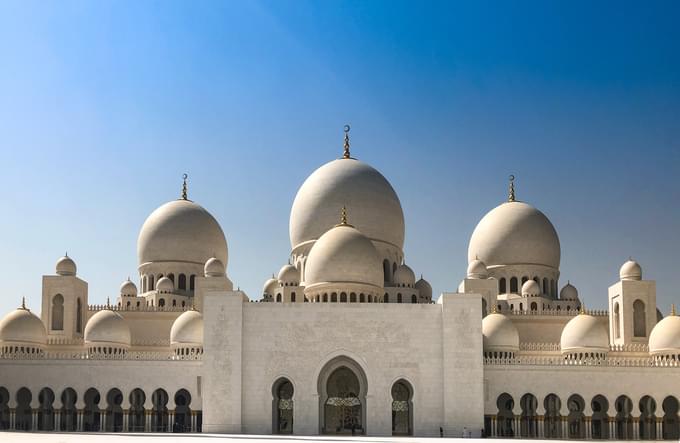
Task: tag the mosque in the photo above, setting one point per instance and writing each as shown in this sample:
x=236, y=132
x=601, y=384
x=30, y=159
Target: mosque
x=344, y=339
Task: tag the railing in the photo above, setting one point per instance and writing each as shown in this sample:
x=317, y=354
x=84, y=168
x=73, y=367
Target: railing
x=561, y=361
x=84, y=355
x=141, y=308
x=555, y=312
x=548, y=347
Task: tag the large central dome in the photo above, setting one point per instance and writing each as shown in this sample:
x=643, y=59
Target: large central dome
x=368, y=196
x=181, y=231
x=515, y=233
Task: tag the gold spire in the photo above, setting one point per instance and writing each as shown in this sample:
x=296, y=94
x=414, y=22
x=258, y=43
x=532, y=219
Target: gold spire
x=672, y=308
x=23, y=303
x=343, y=218
x=511, y=190
x=184, y=187
x=108, y=303
x=582, y=309
x=345, y=154
x=493, y=309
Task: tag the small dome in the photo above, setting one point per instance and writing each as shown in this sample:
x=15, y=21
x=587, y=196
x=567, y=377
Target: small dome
x=477, y=270
x=424, y=288
x=289, y=275
x=187, y=330
x=404, y=276
x=107, y=328
x=165, y=286
x=214, y=268
x=584, y=334
x=344, y=255
x=515, y=233
x=569, y=293
x=181, y=231
x=531, y=289
x=128, y=289
x=665, y=337
x=66, y=266
x=22, y=327
x=630, y=270
x=270, y=286
x=499, y=334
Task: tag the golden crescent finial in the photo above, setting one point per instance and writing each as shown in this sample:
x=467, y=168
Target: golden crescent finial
x=672, y=308
x=346, y=144
x=23, y=302
x=511, y=190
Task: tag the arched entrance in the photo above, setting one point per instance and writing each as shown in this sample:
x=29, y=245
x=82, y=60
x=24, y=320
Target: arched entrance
x=342, y=396
x=529, y=420
x=402, y=408
x=600, y=420
x=182, y=411
x=283, y=410
x=505, y=417
x=553, y=420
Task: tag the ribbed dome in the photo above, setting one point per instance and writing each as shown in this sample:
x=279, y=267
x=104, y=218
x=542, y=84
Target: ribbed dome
x=404, y=276
x=368, y=196
x=477, y=270
x=515, y=233
x=66, y=266
x=107, y=328
x=270, y=286
x=289, y=275
x=21, y=326
x=187, y=330
x=531, y=289
x=569, y=293
x=665, y=337
x=584, y=333
x=424, y=288
x=128, y=289
x=343, y=254
x=630, y=270
x=181, y=231
x=214, y=268
x=165, y=286
x=499, y=334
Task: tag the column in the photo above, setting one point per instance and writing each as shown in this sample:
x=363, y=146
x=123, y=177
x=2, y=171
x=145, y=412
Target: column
x=57, y=420
x=612, y=428
x=659, y=428
x=565, y=428
x=589, y=427
x=193, y=421
x=34, y=419
x=125, y=420
x=80, y=420
x=171, y=421
x=147, y=425
x=541, y=426
x=517, y=422
x=636, y=428
x=12, y=419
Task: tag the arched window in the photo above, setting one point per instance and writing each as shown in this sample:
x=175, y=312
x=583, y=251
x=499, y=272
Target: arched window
x=402, y=409
x=161, y=302
x=639, y=323
x=192, y=282
x=172, y=277
x=414, y=299
x=513, y=285
x=79, y=316
x=529, y=417
x=386, y=270
x=501, y=286
x=386, y=299
x=546, y=289
x=352, y=298
x=292, y=297
x=143, y=283
x=151, y=283
x=343, y=297
x=617, y=321
x=398, y=298
x=283, y=406
x=58, y=313
x=534, y=306
x=362, y=298
x=524, y=279
x=182, y=283
x=334, y=297
x=325, y=298
x=278, y=298
x=174, y=303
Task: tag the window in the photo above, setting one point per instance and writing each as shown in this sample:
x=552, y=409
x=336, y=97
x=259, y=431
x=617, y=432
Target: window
x=182, y=284
x=617, y=321
x=192, y=282
x=58, y=313
x=292, y=297
x=79, y=316
x=501, y=286
x=639, y=323
x=513, y=285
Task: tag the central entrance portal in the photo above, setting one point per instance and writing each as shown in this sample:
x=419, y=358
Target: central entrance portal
x=342, y=398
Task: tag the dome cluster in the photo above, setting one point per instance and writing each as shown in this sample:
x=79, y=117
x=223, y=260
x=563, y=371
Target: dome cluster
x=107, y=333
x=584, y=337
x=22, y=333
x=186, y=335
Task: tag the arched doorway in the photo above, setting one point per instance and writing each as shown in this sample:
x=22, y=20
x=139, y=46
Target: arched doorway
x=647, y=418
x=46, y=411
x=505, y=416
x=283, y=406
x=671, y=429
x=600, y=420
x=24, y=415
x=91, y=414
x=69, y=413
x=529, y=423
x=342, y=396
x=182, y=412
x=4, y=408
x=576, y=418
x=624, y=419
x=402, y=408
x=136, y=414
x=159, y=414
x=553, y=419
x=114, y=411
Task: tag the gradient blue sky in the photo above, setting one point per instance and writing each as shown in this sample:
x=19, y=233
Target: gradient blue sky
x=103, y=105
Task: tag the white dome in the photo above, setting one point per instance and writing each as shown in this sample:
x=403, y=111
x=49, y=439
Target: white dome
x=181, y=231
x=187, y=329
x=368, y=196
x=424, y=288
x=128, y=289
x=499, y=334
x=345, y=255
x=109, y=328
x=531, y=289
x=66, y=266
x=289, y=275
x=21, y=326
x=214, y=268
x=630, y=270
x=404, y=276
x=665, y=337
x=584, y=333
x=270, y=286
x=569, y=293
x=165, y=286
x=477, y=270
x=515, y=233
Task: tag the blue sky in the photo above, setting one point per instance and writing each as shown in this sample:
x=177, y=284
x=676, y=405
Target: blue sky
x=103, y=106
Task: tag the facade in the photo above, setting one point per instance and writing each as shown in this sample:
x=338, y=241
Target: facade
x=344, y=339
